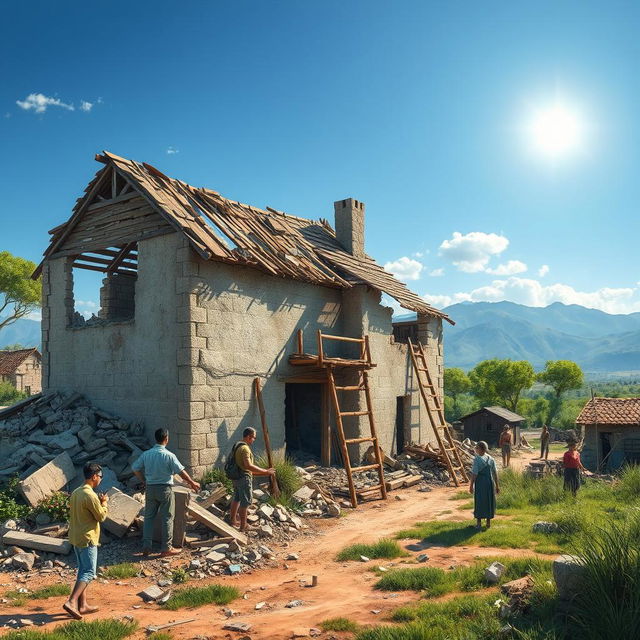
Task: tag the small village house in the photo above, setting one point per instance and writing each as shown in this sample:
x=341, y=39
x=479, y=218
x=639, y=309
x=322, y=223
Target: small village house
x=611, y=433
x=200, y=294
x=487, y=424
x=22, y=368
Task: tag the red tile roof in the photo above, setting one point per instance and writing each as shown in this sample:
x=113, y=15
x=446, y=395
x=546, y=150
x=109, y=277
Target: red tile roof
x=11, y=360
x=610, y=411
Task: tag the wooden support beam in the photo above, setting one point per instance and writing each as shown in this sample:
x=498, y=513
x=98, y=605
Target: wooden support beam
x=119, y=259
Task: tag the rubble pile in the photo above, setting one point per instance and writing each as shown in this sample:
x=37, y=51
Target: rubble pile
x=38, y=430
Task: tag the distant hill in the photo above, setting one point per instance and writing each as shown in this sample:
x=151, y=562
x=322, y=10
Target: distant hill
x=24, y=332
x=598, y=341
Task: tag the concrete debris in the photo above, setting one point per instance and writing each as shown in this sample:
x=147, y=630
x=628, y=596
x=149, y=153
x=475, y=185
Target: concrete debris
x=151, y=593
x=47, y=480
x=294, y=603
x=493, y=572
x=568, y=573
x=122, y=511
x=544, y=527
x=364, y=559
x=23, y=561
x=422, y=557
x=242, y=627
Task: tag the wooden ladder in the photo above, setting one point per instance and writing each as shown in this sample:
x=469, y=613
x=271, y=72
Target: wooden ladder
x=435, y=411
x=362, y=386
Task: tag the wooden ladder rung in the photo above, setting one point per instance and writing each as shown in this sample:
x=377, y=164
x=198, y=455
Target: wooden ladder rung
x=359, y=440
x=366, y=467
x=352, y=388
x=354, y=413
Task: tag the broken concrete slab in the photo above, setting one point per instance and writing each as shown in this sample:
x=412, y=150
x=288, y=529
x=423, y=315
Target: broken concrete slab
x=151, y=593
x=237, y=626
x=47, y=480
x=214, y=523
x=39, y=543
x=24, y=561
x=121, y=512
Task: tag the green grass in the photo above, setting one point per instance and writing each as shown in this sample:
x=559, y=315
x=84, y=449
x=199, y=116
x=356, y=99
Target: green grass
x=216, y=475
x=121, y=571
x=289, y=480
x=20, y=599
x=160, y=635
x=384, y=548
x=436, y=582
x=179, y=576
x=76, y=630
x=199, y=596
x=339, y=624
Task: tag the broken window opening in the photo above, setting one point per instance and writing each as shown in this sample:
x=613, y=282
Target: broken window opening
x=102, y=286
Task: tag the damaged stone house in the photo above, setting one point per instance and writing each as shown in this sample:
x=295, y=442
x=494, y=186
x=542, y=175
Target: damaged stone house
x=202, y=294
x=21, y=368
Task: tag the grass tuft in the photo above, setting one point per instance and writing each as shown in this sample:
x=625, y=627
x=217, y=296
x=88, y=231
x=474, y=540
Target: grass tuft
x=217, y=475
x=384, y=548
x=160, y=635
x=340, y=624
x=78, y=630
x=121, y=571
x=20, y=599
x=288, y=478
x=199, y=596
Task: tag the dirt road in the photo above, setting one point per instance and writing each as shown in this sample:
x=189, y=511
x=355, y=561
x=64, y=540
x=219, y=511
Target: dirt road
x=344, y=589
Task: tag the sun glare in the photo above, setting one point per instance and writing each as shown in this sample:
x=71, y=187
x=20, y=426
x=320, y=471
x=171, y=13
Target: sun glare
x=556, y=131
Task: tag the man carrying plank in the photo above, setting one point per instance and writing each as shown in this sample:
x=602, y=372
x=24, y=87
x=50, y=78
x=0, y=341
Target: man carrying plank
x=86, y=511
x=240, y=469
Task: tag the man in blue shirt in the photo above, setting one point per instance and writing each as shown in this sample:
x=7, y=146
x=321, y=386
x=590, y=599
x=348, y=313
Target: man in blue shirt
x=156, y=468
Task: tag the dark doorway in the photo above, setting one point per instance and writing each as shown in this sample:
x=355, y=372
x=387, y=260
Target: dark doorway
x=400, y=426
x=303, y=418
x=605, y=449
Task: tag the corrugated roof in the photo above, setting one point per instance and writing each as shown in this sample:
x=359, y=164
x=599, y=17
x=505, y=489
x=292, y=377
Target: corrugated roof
x=510, y=416
x=11, y=360
x=223, y=230
x=610, y=411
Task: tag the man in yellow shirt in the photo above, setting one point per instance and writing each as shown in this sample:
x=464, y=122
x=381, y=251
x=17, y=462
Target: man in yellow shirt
x=243, y=486
x=86, y=511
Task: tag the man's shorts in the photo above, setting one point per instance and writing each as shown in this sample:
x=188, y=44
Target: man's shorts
x=243, y=490
x=506, y=449
x=87, y=558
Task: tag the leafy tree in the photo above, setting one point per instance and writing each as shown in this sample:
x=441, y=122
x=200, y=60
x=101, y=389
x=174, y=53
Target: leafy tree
x=456, y=382
x=561, y=376
x=9, y=394
x=13, y=347
x=501, y=381
x=19, y=294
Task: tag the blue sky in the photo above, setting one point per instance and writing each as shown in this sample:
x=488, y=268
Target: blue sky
x=420, y=109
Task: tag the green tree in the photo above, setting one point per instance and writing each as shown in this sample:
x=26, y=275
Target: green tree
x=456, y=382
x=501, y=381
x=13, y=347
x=561, y=376
x=19, y=294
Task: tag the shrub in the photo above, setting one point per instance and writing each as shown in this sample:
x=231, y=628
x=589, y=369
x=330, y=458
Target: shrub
x=339, y=624
x=217, y=475
x=10, y=508
x=608, y=605
x=287, y=476
x=179, y=576
x=9, y=394
x=384, y=548
x=628, y=486
x=56, y=506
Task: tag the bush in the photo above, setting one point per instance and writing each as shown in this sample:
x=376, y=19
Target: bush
x=288, y=478
x=628, y=487
x=9, y=394
x=10, y=508
x=217, y=475
x=179, y=576
x=608, y=606
x=56, y=506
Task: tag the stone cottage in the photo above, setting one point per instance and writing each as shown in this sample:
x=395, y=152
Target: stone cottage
x=611, y=432
x=201, y=294
x=22, y=369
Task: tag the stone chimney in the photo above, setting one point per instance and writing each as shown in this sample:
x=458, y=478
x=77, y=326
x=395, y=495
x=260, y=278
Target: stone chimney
x=349, y=224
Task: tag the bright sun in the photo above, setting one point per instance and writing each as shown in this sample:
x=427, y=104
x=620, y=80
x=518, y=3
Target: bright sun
x=556, y=131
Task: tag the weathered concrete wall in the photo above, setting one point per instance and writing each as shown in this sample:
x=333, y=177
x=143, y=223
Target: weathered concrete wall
x=243, y=324
x=625, y=442
x=129, y=367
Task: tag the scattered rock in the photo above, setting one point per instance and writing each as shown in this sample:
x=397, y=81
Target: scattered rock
x=493, y=573
x=23, y=561
x=294, y=603
x=422, y=557
x=544, y=527
x=568, y=573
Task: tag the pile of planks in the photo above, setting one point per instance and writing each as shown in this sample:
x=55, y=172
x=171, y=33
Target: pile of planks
x=421, y=452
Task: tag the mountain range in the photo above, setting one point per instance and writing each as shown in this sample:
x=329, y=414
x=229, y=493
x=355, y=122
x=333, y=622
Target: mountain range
x=599, y=342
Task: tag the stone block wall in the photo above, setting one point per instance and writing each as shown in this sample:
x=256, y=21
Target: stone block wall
x=28, y=376
x=117, y=297
x=127, y=368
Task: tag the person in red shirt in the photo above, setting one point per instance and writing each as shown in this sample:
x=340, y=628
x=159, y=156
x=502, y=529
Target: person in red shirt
x=572, y=466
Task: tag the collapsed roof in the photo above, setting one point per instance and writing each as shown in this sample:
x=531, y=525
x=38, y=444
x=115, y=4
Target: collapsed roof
x=218, y=229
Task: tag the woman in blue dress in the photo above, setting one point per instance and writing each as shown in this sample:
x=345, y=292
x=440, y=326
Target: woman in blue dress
x=484, y=485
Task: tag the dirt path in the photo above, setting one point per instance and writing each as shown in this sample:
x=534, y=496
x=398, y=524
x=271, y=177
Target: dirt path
x=344, y=589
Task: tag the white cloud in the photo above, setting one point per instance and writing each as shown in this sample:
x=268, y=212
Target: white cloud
x=543, y=270
x=39, y=103
x=404, y=268
x=534, y=294
x=171, y=150
x=85, y=106
x=510, y=268
x=471, y=252
x=86, y=307
x=436, y=272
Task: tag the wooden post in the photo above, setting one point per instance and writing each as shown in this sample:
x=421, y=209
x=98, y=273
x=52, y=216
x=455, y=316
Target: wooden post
x=300, y=342
x=320, y=350
x=265, y=432
x=325, y=429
